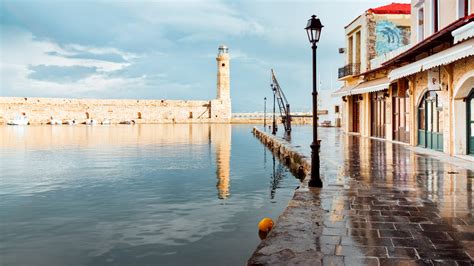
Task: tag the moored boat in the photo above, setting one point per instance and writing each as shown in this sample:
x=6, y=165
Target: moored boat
x=19, y=121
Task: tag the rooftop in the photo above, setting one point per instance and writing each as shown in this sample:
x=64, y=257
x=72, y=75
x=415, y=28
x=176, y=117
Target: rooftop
x=393, y=8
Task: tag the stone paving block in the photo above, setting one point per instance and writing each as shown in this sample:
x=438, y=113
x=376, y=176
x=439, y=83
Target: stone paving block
x=358, y=252
x=451, y=254
x=404, y=253
x=395, y=234
x=404, y=262
x=333, y=260
x=365, y=241
x=361, y=261
x=406, y=242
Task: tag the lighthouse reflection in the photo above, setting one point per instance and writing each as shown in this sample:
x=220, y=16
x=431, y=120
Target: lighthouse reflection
x=221, y=135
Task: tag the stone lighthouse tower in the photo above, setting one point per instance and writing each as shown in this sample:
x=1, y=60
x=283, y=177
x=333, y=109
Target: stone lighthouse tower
x=223, y=74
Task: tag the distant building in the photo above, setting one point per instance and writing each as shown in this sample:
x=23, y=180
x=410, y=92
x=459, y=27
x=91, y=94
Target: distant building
x=420, y=93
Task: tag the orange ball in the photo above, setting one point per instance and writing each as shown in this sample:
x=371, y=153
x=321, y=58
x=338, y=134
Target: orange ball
x=265, y=225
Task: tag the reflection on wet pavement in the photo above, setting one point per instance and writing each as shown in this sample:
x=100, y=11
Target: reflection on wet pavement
x=383, y=204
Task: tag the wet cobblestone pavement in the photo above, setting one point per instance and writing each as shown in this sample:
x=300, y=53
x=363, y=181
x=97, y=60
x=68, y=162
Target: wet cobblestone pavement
x=382, y=204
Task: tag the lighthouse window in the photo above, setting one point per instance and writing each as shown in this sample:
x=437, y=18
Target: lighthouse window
x=223, y=64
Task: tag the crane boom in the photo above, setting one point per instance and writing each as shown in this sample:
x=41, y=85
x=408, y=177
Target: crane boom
x=283, y=104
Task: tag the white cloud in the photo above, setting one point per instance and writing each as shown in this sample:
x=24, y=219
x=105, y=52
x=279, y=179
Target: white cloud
x=20, y=51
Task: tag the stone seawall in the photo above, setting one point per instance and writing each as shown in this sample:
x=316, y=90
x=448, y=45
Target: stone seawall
x=40, y=110
x=298, y=163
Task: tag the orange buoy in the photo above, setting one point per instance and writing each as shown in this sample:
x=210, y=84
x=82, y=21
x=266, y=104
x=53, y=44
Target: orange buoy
x=265, y=225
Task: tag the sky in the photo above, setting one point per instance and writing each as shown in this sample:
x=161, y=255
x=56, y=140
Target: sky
x=167, y=49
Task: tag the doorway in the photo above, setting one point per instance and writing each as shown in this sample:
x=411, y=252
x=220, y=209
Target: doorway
x=470, y=122
x=377, y=114
x=401, y=113
x=356, y=113
x=430, y=122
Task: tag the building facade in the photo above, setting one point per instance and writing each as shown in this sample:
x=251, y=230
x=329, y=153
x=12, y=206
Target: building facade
x=42, y=110
x=421, y=93
x=370, y=36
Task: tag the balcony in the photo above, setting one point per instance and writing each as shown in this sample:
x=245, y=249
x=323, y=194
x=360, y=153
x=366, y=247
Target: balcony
x=349, y=70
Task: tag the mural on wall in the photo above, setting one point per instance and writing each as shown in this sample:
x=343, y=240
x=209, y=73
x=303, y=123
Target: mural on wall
x=390, y=36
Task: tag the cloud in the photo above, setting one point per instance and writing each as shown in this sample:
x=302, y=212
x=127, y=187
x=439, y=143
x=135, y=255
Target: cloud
x=35, y=67
x=60, y=74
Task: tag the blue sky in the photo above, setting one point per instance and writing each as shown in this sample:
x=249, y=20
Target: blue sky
x=167, y=49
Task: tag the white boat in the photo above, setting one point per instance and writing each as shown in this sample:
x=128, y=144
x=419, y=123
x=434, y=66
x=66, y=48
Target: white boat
x=19, y=121
x=91, y=122
x=106, y=122
x=53, y=121
x=72, y=122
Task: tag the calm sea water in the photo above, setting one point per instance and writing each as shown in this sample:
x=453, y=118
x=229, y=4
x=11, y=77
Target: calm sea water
x=135, y=195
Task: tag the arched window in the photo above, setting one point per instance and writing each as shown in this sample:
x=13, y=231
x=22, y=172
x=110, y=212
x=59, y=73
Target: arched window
x=87, y=115
x=139, y=115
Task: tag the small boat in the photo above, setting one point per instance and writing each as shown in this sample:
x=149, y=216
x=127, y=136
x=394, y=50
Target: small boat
x=72, y=122
x=91, y=122
x=53, y=121
x=128, y=122
x=106, y=122
x=19, y=121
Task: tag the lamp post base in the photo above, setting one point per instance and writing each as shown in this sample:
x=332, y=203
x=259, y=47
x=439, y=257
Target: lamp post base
x=315, y=183
x=315, y=180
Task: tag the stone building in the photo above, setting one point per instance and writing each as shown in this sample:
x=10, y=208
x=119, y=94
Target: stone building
x=41, y=110
x=426, y=88
x=369, y=37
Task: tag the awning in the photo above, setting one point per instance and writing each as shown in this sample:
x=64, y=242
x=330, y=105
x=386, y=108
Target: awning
x=445, y=57
x=463, y=33
x=343, y=91
x=363, y=87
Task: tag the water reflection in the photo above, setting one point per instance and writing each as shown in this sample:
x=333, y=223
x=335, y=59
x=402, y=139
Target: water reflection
x=276, y=178
x=222, y=139
x=134, y=195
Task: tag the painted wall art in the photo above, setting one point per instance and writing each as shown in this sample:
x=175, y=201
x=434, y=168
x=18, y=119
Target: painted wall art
x=390, y=36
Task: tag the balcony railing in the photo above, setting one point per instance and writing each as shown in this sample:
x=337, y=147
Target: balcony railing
x=349, y=70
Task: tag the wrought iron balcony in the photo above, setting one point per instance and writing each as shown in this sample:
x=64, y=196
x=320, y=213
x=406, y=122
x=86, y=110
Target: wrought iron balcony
x=349, y=70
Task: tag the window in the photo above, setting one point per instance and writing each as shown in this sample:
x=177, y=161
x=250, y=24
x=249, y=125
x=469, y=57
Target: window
x=357, y=48
x=351, y=48
x=421, y=24
x=463, y=8
x=435, y=15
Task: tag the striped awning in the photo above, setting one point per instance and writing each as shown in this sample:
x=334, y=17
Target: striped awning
x=445, y=57
x=463, y=33
x=363, y=87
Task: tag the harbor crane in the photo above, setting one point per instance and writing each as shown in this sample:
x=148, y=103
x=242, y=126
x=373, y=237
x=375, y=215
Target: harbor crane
x=282, y=102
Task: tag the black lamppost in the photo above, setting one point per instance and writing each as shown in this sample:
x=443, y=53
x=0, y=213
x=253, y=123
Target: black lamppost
x=265, y=113
x=313, y=28
x=274, y=129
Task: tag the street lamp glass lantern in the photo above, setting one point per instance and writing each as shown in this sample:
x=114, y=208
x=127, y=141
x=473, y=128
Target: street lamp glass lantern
x=314, y=29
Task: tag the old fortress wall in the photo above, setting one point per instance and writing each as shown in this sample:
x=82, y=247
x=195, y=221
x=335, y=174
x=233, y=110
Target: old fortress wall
x=40, y=110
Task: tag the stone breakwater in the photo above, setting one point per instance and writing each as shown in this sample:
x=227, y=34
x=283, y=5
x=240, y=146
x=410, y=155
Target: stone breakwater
x=299, y=164
x=40, y=110
x=292, y=239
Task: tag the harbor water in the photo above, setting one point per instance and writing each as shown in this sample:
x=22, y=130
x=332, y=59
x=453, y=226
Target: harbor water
x=136, y=195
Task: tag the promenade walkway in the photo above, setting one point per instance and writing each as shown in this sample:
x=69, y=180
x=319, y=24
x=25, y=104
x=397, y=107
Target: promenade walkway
x=382, y=204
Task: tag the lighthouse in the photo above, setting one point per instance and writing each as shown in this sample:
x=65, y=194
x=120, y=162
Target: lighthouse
x=223, y=73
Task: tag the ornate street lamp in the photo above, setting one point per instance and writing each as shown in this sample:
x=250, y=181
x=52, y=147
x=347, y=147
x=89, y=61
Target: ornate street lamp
x=265, y=113
x=313, y=29
x=274, y=128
